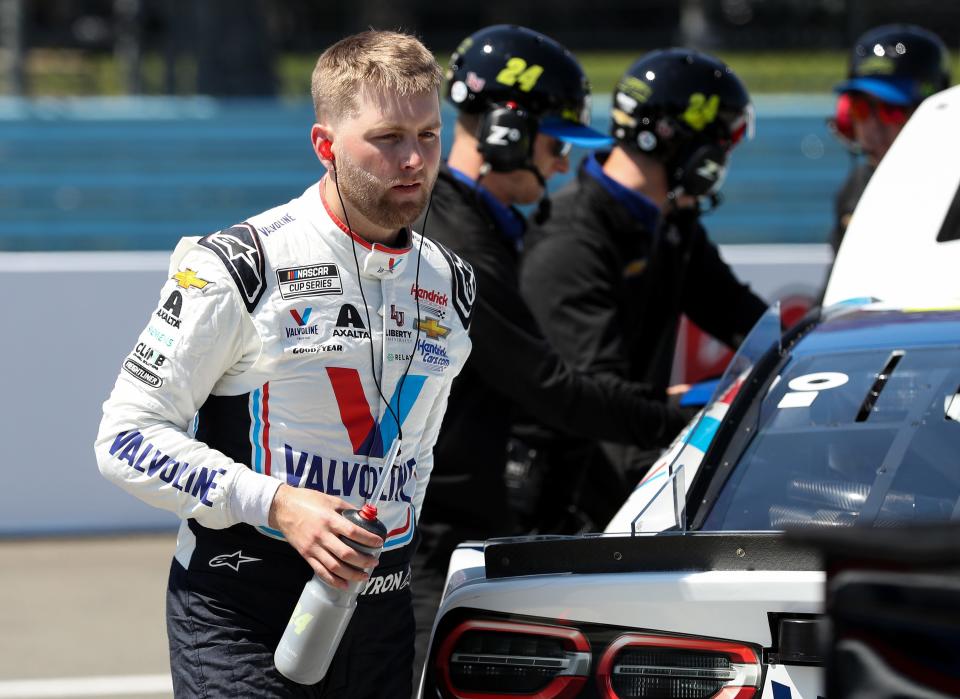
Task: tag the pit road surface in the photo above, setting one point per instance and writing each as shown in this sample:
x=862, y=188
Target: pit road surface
x=84, y=617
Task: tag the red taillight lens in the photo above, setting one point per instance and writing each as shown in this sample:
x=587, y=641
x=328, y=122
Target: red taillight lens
x=655, y=667
x=487, y=659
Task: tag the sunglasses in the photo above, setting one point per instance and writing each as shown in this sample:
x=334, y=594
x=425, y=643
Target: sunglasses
x=560, y=149
x=862, y=107
x=853, y=107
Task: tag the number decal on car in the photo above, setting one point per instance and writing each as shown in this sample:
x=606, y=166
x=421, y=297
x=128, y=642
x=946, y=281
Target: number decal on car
x=805, y=389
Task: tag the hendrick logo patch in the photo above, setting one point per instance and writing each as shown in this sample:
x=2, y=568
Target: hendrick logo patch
x=312, y=280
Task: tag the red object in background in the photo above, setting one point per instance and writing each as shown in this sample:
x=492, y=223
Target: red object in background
x=699, y=356
x=842, y=120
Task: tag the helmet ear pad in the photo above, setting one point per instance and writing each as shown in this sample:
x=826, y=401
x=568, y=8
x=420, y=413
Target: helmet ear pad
x=505, y=137
x=701, y=170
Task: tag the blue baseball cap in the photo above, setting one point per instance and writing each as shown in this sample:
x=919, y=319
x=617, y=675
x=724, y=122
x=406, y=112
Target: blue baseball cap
x=900, y=64
x=899, y=91
x=576, y=134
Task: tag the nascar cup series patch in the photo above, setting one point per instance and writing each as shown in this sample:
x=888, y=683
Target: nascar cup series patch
x=310, y=280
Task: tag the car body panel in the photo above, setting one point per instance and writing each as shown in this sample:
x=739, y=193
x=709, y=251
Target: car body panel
x=719, y=604
x=890, y=250
x=792, y=682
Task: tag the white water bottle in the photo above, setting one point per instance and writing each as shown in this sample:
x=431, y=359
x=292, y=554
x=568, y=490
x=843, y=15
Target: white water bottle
x=321, y=616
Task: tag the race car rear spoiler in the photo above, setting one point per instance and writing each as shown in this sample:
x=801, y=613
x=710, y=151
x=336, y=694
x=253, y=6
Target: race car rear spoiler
x=662, y=552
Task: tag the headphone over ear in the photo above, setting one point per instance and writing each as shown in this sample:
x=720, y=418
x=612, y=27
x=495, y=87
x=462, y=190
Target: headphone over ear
x=702, y=172
x=505, y=137
x=325, y=150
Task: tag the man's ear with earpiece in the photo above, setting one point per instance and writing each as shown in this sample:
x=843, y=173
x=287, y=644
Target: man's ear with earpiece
x=323, y=145
x=325, y=149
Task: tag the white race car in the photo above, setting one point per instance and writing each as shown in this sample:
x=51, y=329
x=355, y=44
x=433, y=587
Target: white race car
x=851, y=418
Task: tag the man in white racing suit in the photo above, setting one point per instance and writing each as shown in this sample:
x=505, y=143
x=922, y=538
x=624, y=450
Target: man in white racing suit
x=284, y=357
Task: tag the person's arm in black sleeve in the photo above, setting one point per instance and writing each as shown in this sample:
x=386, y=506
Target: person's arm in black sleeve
x=566, y=283
x=713, y=297
x=512, y=354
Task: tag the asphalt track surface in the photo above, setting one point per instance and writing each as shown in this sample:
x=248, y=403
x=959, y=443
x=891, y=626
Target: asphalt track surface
x=83, y=617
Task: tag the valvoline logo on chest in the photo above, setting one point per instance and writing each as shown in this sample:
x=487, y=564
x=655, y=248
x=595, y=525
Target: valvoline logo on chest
x=367, y=436
x=301, y=317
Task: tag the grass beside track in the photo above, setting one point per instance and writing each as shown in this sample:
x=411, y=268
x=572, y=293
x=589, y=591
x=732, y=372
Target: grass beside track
x=76, y=73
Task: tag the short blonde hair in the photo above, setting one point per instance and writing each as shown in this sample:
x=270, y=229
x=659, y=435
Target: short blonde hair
x=373, y=60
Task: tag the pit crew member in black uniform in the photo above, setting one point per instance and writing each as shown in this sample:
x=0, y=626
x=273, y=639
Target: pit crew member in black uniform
x=522, y=100
x=624, y=254
x=893, y=68
x=300, y=341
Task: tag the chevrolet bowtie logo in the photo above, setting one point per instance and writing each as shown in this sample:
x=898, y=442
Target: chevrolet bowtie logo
x=433, y=329
x=188, y=278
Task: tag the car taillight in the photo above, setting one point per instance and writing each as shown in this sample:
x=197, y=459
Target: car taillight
x=641, y=665
x=483, y=659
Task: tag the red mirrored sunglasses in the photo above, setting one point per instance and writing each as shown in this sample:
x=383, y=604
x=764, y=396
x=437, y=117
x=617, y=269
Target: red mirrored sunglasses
x=852, y=107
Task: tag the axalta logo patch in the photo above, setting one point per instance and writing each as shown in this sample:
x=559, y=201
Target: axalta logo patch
x=169, y=313
x=312, y=280
x=188, y=279
x=350, y=324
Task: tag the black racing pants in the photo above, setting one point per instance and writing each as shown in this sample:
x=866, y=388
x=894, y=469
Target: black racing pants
x=224, y=622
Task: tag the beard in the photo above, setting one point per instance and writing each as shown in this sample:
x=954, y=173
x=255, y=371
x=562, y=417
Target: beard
x=370, y=196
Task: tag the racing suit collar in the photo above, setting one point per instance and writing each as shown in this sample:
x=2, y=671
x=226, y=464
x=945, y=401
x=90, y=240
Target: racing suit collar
x=375, y=259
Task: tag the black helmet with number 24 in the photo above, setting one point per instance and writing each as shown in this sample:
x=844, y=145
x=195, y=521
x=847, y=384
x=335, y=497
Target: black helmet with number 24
x=685, y=109
x=521, y=82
